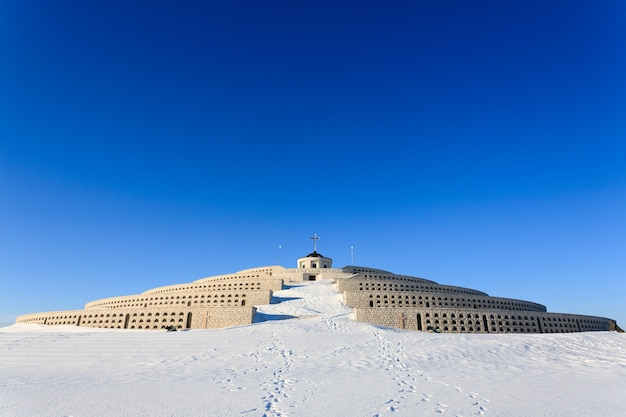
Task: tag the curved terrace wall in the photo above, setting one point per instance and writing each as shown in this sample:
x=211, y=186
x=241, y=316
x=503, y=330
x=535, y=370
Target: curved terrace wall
x=481, y=321
x=378, y=297
x=147, y=318
x=435, y=300
x=274, y=284
x=415, y=304
x=401, y=284
x=245, y=276
x=227, y=298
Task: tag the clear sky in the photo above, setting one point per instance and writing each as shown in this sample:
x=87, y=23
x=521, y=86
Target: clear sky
x=479, y=144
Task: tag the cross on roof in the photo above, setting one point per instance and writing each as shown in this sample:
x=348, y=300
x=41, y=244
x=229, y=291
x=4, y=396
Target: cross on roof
x=315, y=238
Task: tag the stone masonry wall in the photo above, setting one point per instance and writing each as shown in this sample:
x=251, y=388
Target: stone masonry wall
x=435, y=300
x=394, y=284
x=147, y=318
x=209, y=307
x=222, y=283
x=481, y=321
x=226, y=298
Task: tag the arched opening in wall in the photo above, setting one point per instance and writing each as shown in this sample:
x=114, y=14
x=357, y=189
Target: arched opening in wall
x=243, y=303
x=419, y=322
x=427, y=304
x=485, y=323
x=78, y=321
x=188, y=325
x=126, y=321
x=371, y=303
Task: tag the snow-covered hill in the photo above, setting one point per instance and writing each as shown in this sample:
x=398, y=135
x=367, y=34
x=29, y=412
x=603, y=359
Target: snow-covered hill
x=305, y=356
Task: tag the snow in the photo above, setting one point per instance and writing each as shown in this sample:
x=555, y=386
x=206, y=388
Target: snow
x=306, y=356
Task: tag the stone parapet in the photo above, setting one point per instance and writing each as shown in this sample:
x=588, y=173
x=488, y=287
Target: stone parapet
x=312, y=274
x=222, y=283
x=190, y=298
x=364, y=298
x=400, y=284
x=63, y=317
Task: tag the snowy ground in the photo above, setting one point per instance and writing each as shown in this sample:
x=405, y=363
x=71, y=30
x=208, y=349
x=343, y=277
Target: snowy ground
x=307, y=357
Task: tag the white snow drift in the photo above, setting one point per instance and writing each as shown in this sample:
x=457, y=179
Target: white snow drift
x=307, y=357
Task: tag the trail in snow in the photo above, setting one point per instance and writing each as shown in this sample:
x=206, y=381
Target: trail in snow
x=306, y=357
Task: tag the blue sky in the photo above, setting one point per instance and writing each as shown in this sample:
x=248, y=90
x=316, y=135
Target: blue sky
x=479, y=144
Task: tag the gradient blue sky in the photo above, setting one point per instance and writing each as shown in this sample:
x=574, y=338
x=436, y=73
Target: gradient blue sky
x=480, y=144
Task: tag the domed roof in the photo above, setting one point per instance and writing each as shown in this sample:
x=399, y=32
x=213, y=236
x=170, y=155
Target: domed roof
x=314, y=254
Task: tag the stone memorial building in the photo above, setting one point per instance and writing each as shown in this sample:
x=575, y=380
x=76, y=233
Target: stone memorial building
x=376, y=296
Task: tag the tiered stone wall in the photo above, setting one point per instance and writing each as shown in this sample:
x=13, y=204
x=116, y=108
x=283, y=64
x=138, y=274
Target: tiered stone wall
x=223, y=301
x=378, y=297
x=386, y=299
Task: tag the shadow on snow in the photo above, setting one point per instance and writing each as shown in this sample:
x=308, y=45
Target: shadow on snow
x=278, y=300
x=261, y=317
